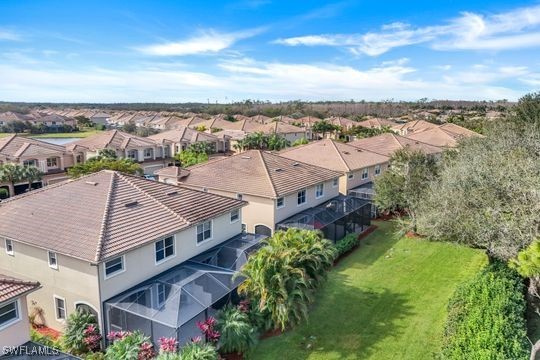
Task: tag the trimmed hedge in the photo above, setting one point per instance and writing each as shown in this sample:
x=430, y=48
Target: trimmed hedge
x=346, y=244
x=486, y=317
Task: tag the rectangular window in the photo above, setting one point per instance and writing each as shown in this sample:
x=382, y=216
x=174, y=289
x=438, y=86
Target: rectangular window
x=335, y=182
x=301, y=197
x=147, y=153
x=319, y=191
x=132, y=154
x=377, y=170
x=53, y=261
x=235, y=215
x=114, y=266
x=9, y=247
x=30, y=163
x=280, y=202
x=9, y=314
x=365, y=173
x=350, y=176
x=164, y=249
x=161, y=294
x=204, y=231
x=52, y=162
x=60, y=306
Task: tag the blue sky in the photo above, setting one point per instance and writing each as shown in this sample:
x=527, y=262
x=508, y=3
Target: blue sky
x=178, y=51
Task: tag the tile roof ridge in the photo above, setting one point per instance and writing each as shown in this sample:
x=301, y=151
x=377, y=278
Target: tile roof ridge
x=104, y=220
x=113, y=134
x=263, y=160
x=14, y=281
x=332, y=141
x=8, y=140
x=127, y=179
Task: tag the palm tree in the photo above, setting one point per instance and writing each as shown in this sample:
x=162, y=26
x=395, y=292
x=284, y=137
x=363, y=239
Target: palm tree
x=11, y=174
x=32, y=174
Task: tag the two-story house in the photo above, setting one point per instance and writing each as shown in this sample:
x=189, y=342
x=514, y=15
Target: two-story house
x=150, y=154
x=356, y=166
x=52, y=160
x=101, y=236
x=182, y=137
x=274, y=186
x=387, y=144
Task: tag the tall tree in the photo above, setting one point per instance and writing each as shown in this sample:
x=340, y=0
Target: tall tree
x=11, y=174
x=32, y=174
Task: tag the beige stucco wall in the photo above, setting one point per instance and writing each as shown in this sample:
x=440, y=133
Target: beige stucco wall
x=346, y=184
x=18, y=332
x=74, y=280
x=140, y=263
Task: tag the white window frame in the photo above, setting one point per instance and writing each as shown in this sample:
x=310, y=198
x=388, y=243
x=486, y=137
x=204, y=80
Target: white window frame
x=56, y=307
x=211, y=232
x=52, y=255
x=10, y=242
x=117, y=272
x=335, y=182
x=166, y=258
x=237, y=212
x=282, y=202
x=17, y=315
x=30, y=162
x=377, y=170
x=150, y=151
x=365, y=173
x=132, y=154
x=320, y=194
x=52, y=162
x=298, y=197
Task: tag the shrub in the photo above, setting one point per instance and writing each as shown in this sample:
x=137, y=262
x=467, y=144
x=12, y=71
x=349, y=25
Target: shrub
x=4, y=193
x=346, y=244
x=486, y=317
x=238, y=335
x=198, y=351
x=129, y=346
x=81, y=334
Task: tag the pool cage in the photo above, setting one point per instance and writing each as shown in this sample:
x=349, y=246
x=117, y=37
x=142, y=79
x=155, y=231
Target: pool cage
x=367, y=192
x=170, y=304
x=336, y=218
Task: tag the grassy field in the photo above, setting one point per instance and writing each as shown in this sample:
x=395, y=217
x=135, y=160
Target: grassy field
x=385, y=301
x=78, y=134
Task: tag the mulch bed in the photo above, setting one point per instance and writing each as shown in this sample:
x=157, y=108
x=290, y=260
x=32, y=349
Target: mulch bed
x=47, y=331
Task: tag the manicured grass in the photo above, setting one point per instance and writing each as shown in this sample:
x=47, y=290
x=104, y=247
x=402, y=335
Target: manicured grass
x=78, y=134
x=387, y=300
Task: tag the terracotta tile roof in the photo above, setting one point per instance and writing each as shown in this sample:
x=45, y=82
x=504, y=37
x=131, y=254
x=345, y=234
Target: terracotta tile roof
x=182, y=134
x=376, y=123
x=387, y=144
x=261, y=119
x=447, y=135
x=334, y=155
x=105, y=214
x=113, y=139
x=11, y=288
x=258, y=173
x=15, y=146
x=341, y=121
x=172, y=171
x=414, y=126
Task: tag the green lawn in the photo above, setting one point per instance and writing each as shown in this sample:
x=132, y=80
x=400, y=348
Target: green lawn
x=78, y=134
x=387, y=300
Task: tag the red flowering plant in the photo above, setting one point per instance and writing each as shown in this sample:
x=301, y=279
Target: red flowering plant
x=168, y=345
x=92, y=337
x=207, y=328
x=146, y=351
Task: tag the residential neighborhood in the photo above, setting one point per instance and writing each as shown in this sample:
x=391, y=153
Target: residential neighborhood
x=267, y=180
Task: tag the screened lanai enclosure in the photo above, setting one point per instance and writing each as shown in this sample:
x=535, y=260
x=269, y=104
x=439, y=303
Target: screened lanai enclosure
x=336, y=218
x=170, y=304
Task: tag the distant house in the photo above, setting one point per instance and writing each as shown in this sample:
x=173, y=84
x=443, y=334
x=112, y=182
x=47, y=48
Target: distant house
x=357, y=167
x=275, y=187
x=100, y=243
x=101, y=118
x=181, y=138
x=376, y=123
x=151, y=154
x=413, y=127
x=387, y=144
x=445, y=136
x=14, y=325
x=52, y=160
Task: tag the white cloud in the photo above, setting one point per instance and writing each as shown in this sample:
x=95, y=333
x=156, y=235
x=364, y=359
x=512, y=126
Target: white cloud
x=247, y=78
x=9, y=35
x=205, y=42
x=516, y=29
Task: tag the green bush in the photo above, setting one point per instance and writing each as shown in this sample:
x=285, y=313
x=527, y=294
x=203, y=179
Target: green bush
x=74, y=337
x=486, y=317
x=198, y=351
x=4, y=193
x=46, y=340
x=129, y=346
x=238, y=335
x=346, y=244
